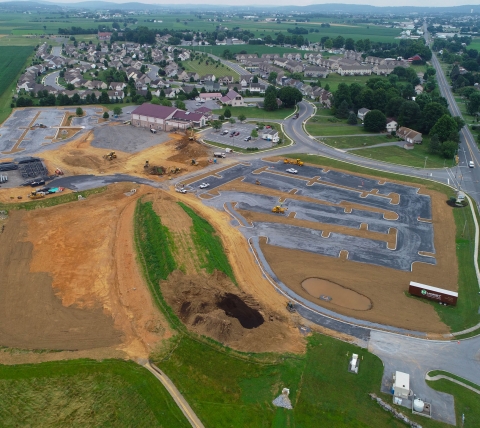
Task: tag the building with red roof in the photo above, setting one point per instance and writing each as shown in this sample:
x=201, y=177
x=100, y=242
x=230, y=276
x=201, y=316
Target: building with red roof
x=163, y=118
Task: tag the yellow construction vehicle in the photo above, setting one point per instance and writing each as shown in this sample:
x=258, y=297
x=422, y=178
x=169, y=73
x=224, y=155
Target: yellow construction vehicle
x=36, y=195
x=110, y=156
x=174, y=170
x=279, y=210
x=290, y=307
x=191, y=134
x=294, y=161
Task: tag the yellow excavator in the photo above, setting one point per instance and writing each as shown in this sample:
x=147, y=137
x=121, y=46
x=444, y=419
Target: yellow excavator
x=36, y=195
x=191, y=134
x=294, y=161
x=279, y=210
x=110, y=156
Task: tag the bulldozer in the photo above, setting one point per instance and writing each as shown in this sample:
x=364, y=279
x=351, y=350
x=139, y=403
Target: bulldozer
x=257, y=182
x=110, y=156
x=194, y=162
x=290, y=307
x=294, y=161
x=174, y=170
x=279, y=210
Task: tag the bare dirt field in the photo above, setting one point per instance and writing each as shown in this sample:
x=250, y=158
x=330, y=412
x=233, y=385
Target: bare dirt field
x=71, y=279
x=80, y=157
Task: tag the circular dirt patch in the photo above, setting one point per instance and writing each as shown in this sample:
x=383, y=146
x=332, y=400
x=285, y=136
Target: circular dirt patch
x=339, y=295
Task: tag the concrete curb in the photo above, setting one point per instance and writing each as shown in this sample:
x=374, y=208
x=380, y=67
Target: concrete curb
x=451, y=379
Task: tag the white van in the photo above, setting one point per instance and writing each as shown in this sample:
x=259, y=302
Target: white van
x=153, y=131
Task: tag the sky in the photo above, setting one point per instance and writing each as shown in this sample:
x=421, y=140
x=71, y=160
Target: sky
x=423, y=3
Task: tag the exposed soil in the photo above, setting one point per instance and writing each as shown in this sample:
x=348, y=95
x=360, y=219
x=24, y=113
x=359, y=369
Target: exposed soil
x=80, y=157
x=209, y=297
x=214, y=306
x=72, y=281
x=339, y=295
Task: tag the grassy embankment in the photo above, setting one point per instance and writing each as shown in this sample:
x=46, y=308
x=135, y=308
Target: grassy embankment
x=219, y=70
x=256, y=113
x=51, y=200
x=465, y=314
x=110, y=393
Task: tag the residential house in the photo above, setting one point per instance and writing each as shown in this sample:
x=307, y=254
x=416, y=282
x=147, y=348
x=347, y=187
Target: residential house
x=315, y=71
x=354, y=70
x=225, y=80
x=419, y=89
x=245, y=79
x=115, y=95
x=207, y=78
x=270, y=135
x=409, y=135
x=96, y=84
x=391, y=125
x=104, y=35
x=117, y=86
x=165, y=118
x=233, y=99
x=257, y=88
x=210, y=96
x=362, y=113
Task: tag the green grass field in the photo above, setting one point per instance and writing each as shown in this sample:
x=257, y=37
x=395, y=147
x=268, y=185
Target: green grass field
x=350, y=142
x=334, y=79
x=398, y=155
x=331, y=126
x=226, y=391
x=202, y=69
x=208, y=244
x=256, y=113
x=111, y=393
x=251, y=49
x=13, y=60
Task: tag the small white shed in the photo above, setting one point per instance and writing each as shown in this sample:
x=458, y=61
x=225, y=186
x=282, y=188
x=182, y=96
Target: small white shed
x=401, y=385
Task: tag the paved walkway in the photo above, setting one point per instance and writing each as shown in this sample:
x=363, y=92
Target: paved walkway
x=176, y=395
x=451, y=379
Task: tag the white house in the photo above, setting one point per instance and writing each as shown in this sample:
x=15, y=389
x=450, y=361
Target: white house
x=270, y=135
x=233, y=99
x=362, y=113
x=391, y=126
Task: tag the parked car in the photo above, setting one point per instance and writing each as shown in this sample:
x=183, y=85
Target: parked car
x=471, y=164
x=251, y=105
x=292, y=171
x=204, y=185
x=224, y=132
x=237, y=134
x=37, y=182
x=247, y=138
x=268, y=126
x=180, y=190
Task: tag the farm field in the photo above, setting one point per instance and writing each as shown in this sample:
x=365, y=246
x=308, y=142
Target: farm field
x=217, y=70
x=258, y=49
x=256, y=113
x=85, y=393
x=13, y=59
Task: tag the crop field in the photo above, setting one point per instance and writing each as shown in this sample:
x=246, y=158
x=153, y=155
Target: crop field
x=111, y=393
x=13, y=60
x=258, y=49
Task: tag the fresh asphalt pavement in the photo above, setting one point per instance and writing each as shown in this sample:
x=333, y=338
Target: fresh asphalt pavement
x=238, y=141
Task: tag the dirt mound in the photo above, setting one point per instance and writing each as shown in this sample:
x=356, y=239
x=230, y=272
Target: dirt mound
x=81, y=159
x=188, y=150
x=214, y=306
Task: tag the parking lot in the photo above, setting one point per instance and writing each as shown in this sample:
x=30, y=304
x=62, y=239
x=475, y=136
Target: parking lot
x=413, y=236
x=244, y=130
x=21, y=134
x=191, y=105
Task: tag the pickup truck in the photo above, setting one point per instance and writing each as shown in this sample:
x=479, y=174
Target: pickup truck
x=178, y=190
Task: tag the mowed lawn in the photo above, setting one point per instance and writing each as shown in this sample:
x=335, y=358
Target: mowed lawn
x=351, y=142
x=227, y=391
x=257, y=113
x=86, y=393
x=331, y=126
x=202, y=69
x=417, y=157
x=334, y=79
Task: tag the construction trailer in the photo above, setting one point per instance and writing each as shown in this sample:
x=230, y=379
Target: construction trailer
x=445, y=297
x=401, y=385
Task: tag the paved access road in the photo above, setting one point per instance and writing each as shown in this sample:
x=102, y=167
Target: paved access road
x=52, y=80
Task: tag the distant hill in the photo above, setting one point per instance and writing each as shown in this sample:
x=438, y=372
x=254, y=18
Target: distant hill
x=328, y=8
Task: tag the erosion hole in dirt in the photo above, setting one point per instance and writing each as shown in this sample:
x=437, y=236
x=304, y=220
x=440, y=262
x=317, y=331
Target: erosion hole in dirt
x=236, y=308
